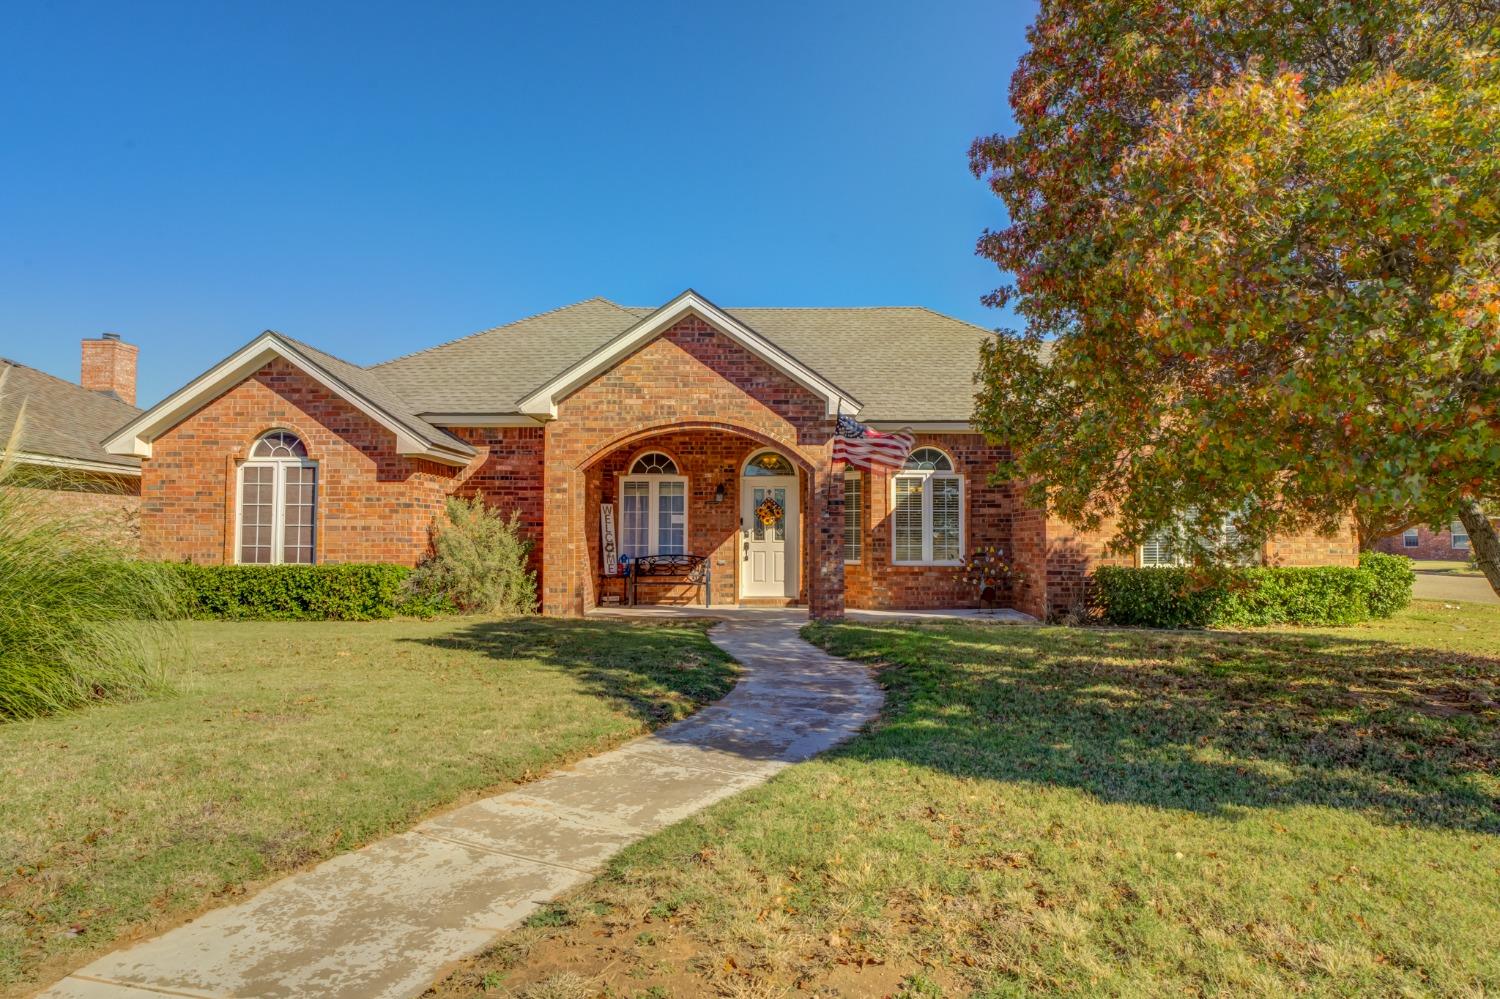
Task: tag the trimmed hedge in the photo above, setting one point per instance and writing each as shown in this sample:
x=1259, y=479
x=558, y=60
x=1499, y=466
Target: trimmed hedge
x=1251, y=596
x=1393, y=581
x=351, y=592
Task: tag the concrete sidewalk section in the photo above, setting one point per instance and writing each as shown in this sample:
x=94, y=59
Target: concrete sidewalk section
x=1438, y=586
x=387, y=919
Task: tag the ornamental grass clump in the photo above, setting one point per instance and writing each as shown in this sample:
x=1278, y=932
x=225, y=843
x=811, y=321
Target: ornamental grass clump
x=80, y=619
x=479, y=562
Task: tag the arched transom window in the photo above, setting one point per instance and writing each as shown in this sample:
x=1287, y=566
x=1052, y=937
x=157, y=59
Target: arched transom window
x=279, y=444
x=278, y=502
x=653, y=508
x=927, y=510
x=653, y=463
x=769, y=463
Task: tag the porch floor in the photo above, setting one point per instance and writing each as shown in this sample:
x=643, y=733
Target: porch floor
x=735, y=612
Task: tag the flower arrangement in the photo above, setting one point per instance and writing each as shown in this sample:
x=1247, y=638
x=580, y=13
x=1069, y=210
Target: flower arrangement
x=988, y=570
x=769, y=511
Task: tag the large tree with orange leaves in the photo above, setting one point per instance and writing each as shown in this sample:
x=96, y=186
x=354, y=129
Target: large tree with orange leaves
x=1256, y=245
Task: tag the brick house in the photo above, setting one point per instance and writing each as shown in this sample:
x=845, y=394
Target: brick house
x=1424, y=544
x=60, y=445
x=669, y=425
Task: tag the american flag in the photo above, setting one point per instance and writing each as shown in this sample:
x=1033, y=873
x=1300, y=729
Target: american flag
x=862, y=447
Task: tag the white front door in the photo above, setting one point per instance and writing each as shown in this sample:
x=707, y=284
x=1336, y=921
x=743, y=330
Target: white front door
x=768, y=552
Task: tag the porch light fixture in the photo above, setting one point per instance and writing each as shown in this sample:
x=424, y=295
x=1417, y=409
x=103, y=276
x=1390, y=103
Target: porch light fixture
x=719, y=493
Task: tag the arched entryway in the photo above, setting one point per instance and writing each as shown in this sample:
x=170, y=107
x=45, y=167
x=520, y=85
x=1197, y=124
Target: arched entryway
x=681, y=490
x=770, y=527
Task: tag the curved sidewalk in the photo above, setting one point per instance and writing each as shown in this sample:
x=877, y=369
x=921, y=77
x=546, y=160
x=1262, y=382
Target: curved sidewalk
x=386, y=920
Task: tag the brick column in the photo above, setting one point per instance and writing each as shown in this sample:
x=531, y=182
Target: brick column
x=825, y=542
x=564, y=543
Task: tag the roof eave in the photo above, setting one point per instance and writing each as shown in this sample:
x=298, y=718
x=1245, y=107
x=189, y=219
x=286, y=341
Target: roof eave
x=76, y=464
x=135, y=439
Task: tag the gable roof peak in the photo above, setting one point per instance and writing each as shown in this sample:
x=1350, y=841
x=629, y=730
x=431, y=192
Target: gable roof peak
x=542, y=402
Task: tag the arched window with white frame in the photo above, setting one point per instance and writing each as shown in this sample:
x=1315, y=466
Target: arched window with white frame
x=653, y=507
x=927, y=510
x=278, y=503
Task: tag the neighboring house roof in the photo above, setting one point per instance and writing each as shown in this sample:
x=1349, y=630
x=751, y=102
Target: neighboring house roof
x=900, y=363
x=889, y=365
x=65, y=424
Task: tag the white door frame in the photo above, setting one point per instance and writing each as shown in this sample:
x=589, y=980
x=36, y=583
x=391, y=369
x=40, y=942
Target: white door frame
x=792, y=552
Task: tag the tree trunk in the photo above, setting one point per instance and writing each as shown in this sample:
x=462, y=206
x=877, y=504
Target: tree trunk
x=1483, y=540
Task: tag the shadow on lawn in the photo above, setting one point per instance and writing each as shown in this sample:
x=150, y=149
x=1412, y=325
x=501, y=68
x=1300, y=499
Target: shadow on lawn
x=1204, y=722
x=658, y=673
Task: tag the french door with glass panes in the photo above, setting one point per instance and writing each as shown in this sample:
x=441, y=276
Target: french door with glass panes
x=653, y=515
x=278, y=500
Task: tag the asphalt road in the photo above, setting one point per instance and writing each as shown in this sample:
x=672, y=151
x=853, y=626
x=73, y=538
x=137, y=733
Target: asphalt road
x=1441, y=586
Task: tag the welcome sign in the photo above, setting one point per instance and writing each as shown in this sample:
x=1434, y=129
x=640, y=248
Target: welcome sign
x=610, y=552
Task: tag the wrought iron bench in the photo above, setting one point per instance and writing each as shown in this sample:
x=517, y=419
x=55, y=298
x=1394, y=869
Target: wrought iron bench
x=668, y=570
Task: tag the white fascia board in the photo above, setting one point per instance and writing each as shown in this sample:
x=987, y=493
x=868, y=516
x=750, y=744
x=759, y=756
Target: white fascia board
x=135, y=439
x=481, y=419
x=543, y=402
x=926, y=426
x=76, y=464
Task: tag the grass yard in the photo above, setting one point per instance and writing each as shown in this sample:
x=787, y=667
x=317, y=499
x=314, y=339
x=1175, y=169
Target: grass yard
x=1087, y=812
x=286, y=743
x=1447, y=568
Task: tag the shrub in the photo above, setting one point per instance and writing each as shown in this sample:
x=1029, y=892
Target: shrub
x=1247, y=596
x=1313, y=595
x=1154, y=598
x=1393, y=581
x=479, y=561
x=80, y=620
x=347, y=592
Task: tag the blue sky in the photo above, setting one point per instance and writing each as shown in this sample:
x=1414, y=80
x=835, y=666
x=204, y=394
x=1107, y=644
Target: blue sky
x=376, y=178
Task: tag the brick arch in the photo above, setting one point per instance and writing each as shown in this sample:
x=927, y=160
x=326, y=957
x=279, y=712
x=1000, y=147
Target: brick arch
x=638, y=437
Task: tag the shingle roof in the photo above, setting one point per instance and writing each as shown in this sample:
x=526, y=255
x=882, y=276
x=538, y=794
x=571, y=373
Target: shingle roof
x=63, y=420
x=903, y=363
x=376, y=391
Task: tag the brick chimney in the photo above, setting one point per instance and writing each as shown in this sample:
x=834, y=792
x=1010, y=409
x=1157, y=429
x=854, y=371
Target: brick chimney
x=109, y=367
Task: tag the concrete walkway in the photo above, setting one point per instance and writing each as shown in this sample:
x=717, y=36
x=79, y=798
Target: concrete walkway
x=390, y=918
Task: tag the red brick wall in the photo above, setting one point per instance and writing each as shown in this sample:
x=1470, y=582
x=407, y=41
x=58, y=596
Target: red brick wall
x=109, y=505
x=374, y=505
x=691, y=375
x=1430, y=545
x=1312, y=548
x=508, y=472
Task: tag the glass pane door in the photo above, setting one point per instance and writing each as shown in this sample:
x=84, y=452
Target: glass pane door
x=297, y=516
x=257, y=513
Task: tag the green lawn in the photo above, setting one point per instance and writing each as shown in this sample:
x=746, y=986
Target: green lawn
x=1447, y=568
x=1088, y=812
x=287, y=743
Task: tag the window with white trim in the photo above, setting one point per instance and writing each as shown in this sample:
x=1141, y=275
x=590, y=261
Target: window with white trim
x=927, y=510
x=278, y=503
x=854, y=516
x=653, y=508
x=1157, y=550
x=1459, y=533
x=1174, y=547
x=1411, y=539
